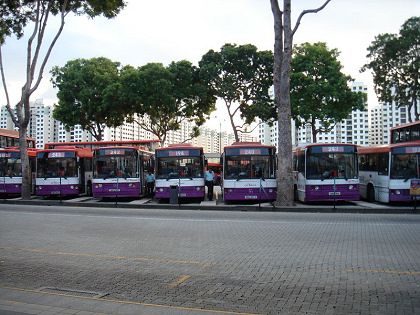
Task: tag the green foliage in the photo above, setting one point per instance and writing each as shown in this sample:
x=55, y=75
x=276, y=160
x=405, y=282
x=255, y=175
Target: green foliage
x=395, y=62
x=169, y=95
x=241, y=76
x=89, y=91
x=319, y=90
x=16, y=14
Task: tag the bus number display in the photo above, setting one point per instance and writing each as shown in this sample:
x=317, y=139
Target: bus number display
x=5, y=155
x=413, y=150
x=249, y=151
x=56, y=154
x=332, y=149
x=114, y=152
x=179, y=153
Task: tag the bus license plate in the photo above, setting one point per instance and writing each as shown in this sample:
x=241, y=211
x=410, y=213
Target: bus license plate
x=115, y=190
x=251, y=197
x=55, y=192
x=182, y=195
x=337, y=193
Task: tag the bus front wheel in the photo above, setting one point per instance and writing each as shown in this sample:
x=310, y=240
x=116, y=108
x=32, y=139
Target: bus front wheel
x=370, y=193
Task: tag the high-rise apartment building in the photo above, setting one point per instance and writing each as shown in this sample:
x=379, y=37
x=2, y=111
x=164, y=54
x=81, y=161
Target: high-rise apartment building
x=354, y=129
x=385, y=116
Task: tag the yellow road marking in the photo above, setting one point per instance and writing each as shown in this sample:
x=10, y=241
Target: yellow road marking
x=131, y=303
x=103, y=256
x=182, y=279
x=206, y=264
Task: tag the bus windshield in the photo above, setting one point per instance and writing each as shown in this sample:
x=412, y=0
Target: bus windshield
x=10, y=166
x=327, y=166
x=182, y=167
x=255, y=166
x=116, y=166
x=56, y=167
x=404, y=166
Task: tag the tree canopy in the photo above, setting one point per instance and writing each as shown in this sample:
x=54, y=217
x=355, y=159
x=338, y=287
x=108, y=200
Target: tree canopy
x=395, y=62
x=319, y=91
x=241, y=76
x=168, y=96
x=15, y=15
x=88, y=94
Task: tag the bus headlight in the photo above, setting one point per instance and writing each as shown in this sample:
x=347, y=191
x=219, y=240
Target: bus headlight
x=161, y=189
x=395, y=192
x=198, y=188
x=271, y=190
x=71, y=187
x=351, y=187
x=315, y=187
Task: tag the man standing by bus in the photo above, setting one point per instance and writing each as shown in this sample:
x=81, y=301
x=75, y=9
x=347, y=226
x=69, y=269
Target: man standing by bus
x=209, y=177
x=150, y=183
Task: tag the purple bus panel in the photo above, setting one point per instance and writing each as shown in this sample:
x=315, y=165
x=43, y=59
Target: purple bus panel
x=130, y=189
x=249, y=194
x=184, y=192
x=326, y=192
x=400, y=195
x=64, y=189
x=12, y=188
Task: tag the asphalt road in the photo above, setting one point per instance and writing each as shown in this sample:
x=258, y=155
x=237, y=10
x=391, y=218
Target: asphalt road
x=226, y=262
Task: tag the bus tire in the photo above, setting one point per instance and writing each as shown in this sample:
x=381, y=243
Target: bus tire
x=370, y=196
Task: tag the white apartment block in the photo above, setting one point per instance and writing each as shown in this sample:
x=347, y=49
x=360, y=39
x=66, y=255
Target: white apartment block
x=383, y=117
x=354, y=129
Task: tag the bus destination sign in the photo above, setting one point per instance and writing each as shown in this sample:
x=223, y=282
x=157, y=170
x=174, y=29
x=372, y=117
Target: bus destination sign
x=56, y=154
x=179, y=153
x=114, y=152
x=333, y=149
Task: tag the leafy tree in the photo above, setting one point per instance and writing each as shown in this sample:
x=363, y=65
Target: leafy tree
x=15, y=15
x=241, y=76
x=88, y=94
x=168, y=96
x=395, y=62
x=319, y=90
x=283, y=44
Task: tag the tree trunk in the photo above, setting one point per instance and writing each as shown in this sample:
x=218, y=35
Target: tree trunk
x=282, y=66
x=26, y=169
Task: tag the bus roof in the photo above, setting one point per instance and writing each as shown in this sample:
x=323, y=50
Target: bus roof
x=82, y=152
x=414, y=123
x=248, y=144
x=297, y=149
x=137, y=148
x=12, y=134
x=96, y=144
x=387, y=147
x=177, y=146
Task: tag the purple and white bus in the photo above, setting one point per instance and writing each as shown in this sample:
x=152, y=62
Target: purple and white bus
x=326, y=172
x=180, y=166
x=64, y=170
x=249, y=172
x=119, y=171
x=11, y=170
x=386, y=171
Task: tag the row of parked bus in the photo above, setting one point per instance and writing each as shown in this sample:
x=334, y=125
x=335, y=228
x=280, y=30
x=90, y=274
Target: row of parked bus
x=322, y=172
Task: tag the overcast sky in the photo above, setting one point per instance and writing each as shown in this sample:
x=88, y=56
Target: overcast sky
x=167, y=30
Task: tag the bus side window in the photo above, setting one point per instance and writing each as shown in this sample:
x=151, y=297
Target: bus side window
x=383, y=162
